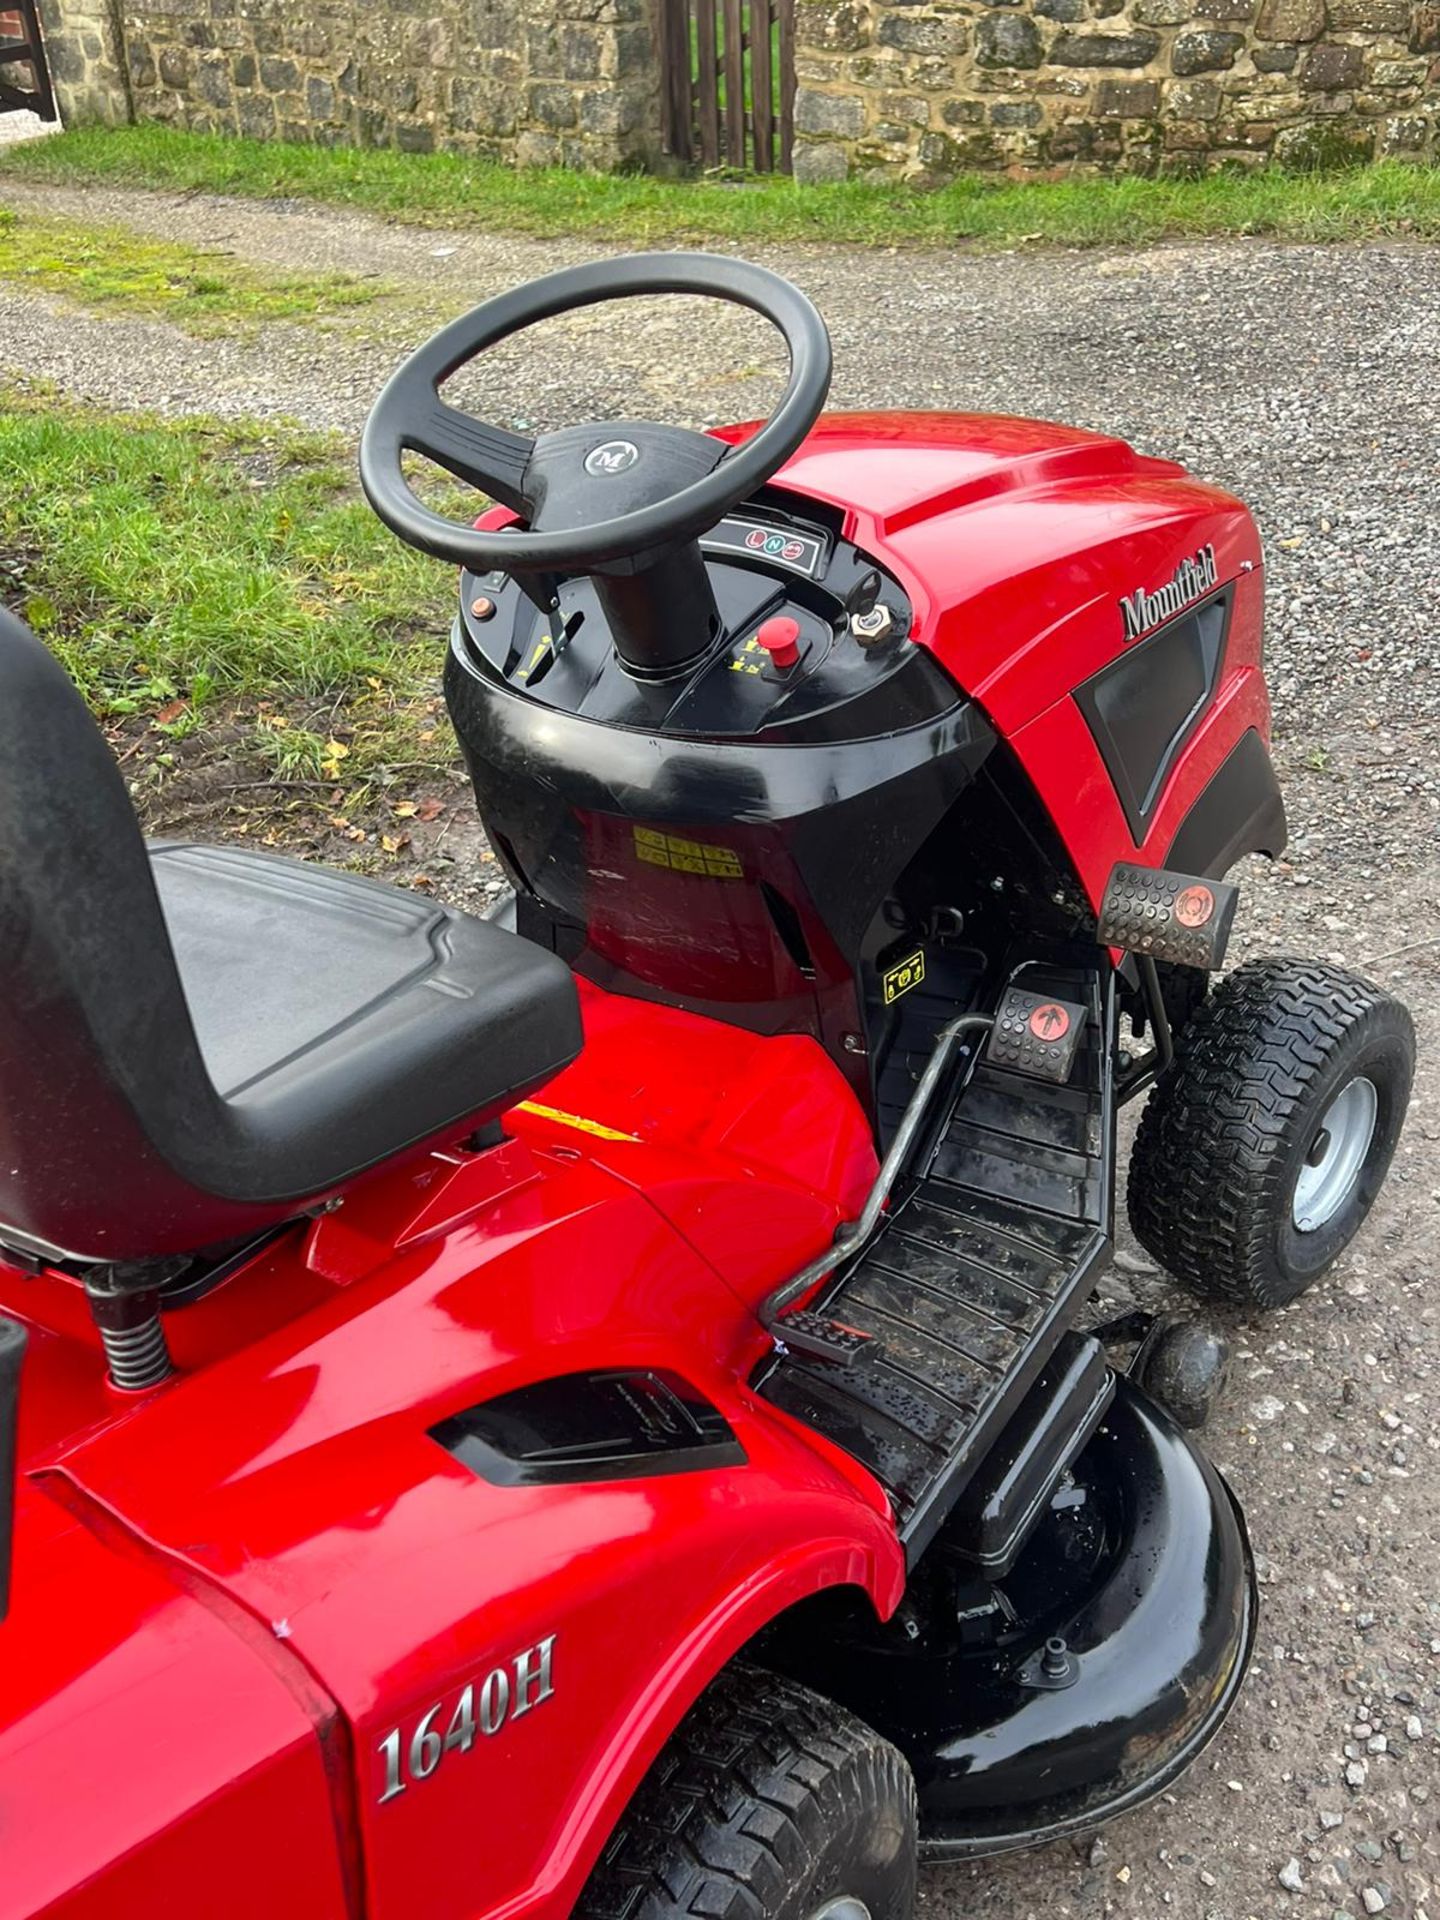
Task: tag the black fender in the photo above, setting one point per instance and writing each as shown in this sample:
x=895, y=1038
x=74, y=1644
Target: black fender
x=1239, y=811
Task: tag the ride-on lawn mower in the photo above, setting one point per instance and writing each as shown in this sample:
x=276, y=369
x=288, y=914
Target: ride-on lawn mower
x=602, y=1413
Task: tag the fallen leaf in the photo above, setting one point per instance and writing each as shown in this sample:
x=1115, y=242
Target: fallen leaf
x=430, y=808
x=404, y=810
x=171, y=710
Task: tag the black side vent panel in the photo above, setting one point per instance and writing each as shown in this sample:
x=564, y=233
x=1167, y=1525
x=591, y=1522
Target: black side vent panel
x=1144, y=706
x=620, y=1424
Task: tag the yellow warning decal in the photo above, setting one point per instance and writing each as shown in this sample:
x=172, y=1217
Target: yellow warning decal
x=659, y=849
x=575, y=1120
x=902, y=977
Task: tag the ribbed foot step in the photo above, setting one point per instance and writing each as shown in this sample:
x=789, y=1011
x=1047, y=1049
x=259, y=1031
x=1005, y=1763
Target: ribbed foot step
x=974, y=1277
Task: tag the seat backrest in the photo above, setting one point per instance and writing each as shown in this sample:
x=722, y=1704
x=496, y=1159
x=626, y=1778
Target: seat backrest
x=89, y=991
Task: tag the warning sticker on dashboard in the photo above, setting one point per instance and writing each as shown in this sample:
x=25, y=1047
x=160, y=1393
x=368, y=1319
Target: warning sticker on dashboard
x=671, y=850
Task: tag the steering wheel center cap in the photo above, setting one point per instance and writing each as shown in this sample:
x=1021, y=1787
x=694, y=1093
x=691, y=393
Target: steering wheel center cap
x=615, y=456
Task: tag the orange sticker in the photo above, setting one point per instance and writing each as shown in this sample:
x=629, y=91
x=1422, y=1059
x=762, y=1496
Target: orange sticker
x=1049, y=1022
x=1194, y=906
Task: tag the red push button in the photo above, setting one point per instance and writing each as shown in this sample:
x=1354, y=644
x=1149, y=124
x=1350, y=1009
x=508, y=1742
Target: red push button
x=780, y=637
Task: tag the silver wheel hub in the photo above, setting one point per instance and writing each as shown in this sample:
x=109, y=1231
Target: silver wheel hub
x=1337, y=1153
x=845, y=1907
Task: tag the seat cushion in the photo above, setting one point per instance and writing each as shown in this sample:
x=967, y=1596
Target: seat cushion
x=344, y=1020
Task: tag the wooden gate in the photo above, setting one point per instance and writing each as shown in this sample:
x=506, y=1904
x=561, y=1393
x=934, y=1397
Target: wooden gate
x=728, y=75
x=20, y=46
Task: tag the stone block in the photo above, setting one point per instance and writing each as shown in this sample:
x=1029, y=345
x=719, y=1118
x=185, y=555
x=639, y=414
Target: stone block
x=1404, y=134
x=942, y=156
x=212, y=83
x=838, y=29
x=1424, y=34
x=1008, y=40
x=921, y=33
x=256, y=115
x=319, y=98
x=1067, y=10
x=833, y=113
x=815, y=164
x=1323, y=149
x=1369, y=16
x=1127, y=99
x=482, y=106
x=177, y=64
x=907, y=109
x=1398, y=73
x=1192, y=99
x=1016, y=113
x=1291, y=20
x=1328, y=68
x=551, y=106
x=582, y=52
x=1274, y=59
x=279, y=76
x=963, y=113
x=1205, y=52
x=534, y=149
x=1162, y=13
x=1105, y=49
x=1234, y=11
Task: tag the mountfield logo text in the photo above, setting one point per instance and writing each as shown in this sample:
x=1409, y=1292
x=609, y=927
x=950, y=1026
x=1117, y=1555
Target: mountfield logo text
x=1193, y=580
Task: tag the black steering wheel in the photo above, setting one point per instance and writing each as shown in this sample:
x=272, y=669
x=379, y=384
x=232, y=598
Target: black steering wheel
x=612, y=497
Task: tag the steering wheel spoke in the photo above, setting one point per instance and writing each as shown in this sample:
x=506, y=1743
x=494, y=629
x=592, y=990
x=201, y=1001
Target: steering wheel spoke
x=490, y=458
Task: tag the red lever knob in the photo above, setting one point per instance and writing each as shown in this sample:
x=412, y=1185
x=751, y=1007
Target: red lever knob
x=780, y=637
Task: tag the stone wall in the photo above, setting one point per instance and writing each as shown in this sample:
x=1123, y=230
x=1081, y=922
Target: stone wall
x=534, y=81
x=888, y=87
x=915, y=89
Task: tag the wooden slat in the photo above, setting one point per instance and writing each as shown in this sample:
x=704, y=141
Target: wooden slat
x=674, y=124
x=735, y=82
x=707, y=81
x=762, y=85
x=787, y=83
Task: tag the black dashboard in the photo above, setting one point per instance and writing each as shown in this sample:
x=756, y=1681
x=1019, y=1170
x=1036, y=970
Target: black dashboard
x=855, y=658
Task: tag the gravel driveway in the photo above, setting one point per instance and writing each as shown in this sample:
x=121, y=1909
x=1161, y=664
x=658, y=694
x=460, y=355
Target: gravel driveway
x=1309, y=381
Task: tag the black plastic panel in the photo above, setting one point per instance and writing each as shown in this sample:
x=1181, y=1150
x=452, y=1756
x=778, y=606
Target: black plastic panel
x=1239, y=812
x=1144, y=706
x=1002, y=1504
x=620, y=1424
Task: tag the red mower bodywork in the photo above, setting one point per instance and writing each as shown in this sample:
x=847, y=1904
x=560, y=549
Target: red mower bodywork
x=232, y=1591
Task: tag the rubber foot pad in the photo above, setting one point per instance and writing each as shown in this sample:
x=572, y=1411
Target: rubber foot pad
x=1036, y=1034
x=821, y=1338
x=1177, y=917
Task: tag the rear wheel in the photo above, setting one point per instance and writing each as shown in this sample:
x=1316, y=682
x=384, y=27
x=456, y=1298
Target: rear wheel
x=1263, y=1147
x=769, y=1803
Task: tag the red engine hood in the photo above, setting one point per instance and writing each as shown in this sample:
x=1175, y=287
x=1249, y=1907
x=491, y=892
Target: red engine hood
x=1007, y=533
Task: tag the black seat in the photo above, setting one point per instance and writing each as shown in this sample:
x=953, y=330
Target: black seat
x=196, y=1042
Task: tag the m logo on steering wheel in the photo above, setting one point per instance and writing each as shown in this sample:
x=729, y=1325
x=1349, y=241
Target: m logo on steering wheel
x=616, y=456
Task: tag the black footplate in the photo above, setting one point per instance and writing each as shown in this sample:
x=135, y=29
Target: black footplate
x=1177, y=917
x=1036, y=1034
x=979, y=1269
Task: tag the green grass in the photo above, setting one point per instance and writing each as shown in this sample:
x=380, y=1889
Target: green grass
x=205, y=292
x=197, y=567
x=448, y=190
